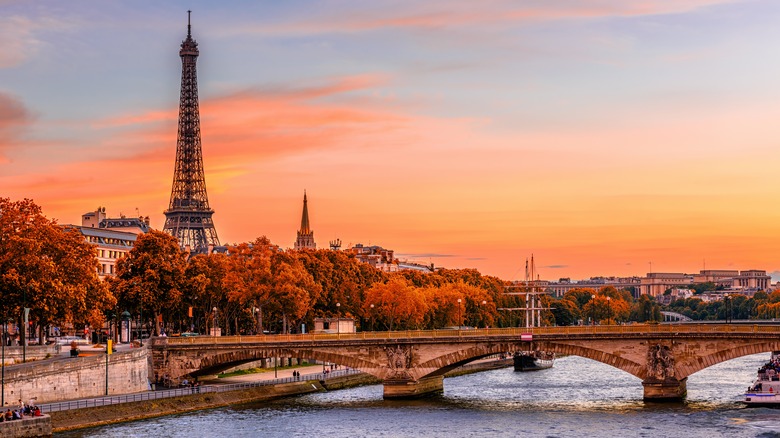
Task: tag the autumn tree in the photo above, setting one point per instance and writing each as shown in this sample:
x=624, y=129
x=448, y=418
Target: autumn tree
x=396, y=304
x=275, y=282
x=248, y=278
x=151, y=276
x=206, y=287
x=293, y=290
x=47, y=268
x=607, y=307
x=342, y=279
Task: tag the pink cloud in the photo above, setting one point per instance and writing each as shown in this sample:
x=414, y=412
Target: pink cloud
x=14, y=117
x=439, y=15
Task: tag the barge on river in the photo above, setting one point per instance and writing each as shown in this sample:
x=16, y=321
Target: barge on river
x=765, y=391
x=533, y=360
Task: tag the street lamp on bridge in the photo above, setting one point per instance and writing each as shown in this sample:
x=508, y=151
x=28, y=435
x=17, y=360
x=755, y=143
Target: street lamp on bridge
x=593, y=310
x=460, y=323
x=372, y=317
x=727, y=298
x=214, y=329
x=2, y=364
x=338, y=318
x=609, y=309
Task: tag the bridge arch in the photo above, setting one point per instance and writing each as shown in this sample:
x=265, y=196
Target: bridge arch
x=661, y=355
x=729, y=353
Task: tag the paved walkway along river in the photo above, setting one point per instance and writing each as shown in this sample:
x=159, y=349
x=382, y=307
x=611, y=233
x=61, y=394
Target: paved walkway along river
x=263, y=379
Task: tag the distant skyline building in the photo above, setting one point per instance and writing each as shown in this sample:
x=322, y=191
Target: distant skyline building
x=305, y=238
x=656, y=284
x=188, y=217
x=111, y=237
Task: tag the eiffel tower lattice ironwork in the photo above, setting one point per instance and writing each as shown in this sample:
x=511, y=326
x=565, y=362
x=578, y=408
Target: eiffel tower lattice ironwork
x=188, y=217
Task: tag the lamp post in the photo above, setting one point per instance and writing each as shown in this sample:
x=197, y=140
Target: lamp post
x=141, y=327
x=609, y=309
x=214, y=329
x=2, y=391
x=459, y=321
x=593, y=310
x=254, y=316
x=484, y=303
x=727, y=299
x=372, y=317
x=338, y=318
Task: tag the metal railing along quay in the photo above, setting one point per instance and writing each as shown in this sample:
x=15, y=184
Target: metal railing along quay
x=189, y=390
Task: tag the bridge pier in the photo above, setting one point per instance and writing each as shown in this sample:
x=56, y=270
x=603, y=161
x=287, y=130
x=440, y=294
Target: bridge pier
x=406, y=389
x=665, y=390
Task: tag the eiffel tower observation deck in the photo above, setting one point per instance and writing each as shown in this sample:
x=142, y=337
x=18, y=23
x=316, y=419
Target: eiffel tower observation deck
x=188, y=217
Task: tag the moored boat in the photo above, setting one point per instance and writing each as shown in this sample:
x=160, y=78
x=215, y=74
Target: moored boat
x=765, y=391
x=533, y=360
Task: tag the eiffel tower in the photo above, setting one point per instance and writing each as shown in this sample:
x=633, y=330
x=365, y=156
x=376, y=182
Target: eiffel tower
x=188, y=217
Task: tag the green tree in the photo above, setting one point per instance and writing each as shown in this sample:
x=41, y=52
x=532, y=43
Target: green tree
x=645, y=309
x=565, y=312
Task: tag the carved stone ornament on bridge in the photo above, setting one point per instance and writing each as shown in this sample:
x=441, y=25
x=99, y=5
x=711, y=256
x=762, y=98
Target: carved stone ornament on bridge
x=660, y=362
x=399, y=360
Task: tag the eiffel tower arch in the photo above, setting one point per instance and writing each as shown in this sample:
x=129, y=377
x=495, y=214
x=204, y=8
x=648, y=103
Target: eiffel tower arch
x=188, y=217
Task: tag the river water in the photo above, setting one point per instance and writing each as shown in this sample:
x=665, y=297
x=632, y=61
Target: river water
x=578, y=397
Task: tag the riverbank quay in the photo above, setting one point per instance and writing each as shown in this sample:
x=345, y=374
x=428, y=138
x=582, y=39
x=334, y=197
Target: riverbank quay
x=79, y=414
x=65, y=378
x=27, y=427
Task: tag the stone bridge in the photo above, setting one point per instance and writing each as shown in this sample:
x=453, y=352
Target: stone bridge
x=412, y=363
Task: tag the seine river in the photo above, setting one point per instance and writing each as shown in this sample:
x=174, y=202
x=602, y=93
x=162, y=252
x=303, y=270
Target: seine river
x=578, y=397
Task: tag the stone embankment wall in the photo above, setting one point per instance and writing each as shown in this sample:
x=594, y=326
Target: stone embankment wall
x=78, y=377
x=102, y=415
x=14, y=355
x=28, y=427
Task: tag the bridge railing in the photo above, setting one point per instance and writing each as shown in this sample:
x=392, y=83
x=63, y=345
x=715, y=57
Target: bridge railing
x=454, y=333
x=179, y=392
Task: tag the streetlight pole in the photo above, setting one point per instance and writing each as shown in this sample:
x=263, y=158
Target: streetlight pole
x=2, y=397
x=372, y=317
x=593, y=310
x=459, y=322
x=609, y=308
x=215, y=321
x=484, y=302
x=338, y=319
x=727, y=299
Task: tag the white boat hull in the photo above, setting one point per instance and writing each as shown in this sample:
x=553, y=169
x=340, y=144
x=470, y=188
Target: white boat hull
x=762, y=399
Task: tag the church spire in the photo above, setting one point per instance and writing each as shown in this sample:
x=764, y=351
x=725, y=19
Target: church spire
x=305, y=216
x=305, y=238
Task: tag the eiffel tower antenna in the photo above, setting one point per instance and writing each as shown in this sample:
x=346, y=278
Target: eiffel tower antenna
x=188, y=217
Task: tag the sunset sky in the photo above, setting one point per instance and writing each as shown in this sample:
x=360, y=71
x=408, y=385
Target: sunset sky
x=599, y=135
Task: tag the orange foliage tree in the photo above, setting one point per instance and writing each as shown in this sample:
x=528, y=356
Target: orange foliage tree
x=48, y=268
x=397, y=305
x=275, y=282
x=151, y=276
x=206, y=288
